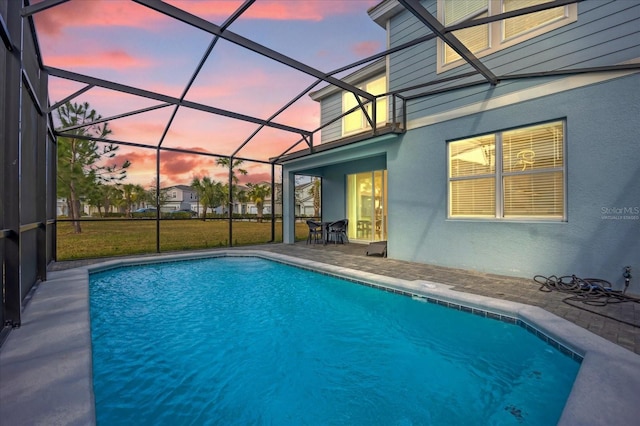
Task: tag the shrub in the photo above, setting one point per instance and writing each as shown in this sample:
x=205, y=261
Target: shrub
x=114, y=214
x=177, y=215
x=149, y=215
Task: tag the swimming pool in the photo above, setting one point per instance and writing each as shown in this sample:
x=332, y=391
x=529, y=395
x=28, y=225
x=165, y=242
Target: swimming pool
x=197, y=342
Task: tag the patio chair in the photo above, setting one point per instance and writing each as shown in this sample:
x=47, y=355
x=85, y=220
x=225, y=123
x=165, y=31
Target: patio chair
x=315, y=232
x=338, y=231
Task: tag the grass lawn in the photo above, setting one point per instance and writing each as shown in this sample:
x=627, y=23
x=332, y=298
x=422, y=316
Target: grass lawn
x=118, y=238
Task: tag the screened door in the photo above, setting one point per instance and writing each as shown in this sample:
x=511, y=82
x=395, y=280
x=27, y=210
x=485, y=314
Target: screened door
x=367, y=206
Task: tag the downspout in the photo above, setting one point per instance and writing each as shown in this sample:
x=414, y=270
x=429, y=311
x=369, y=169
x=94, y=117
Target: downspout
x=273, y=203
x=230, y=202
x=158, y=199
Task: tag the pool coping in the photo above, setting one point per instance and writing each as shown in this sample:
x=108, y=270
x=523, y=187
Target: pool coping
x=46, y=371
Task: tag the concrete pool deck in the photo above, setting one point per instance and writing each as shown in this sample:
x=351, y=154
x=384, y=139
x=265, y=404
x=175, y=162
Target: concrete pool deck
x=45, y=366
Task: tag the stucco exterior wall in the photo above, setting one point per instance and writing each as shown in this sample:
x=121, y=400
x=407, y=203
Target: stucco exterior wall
x=334, y=182
x=603, y=172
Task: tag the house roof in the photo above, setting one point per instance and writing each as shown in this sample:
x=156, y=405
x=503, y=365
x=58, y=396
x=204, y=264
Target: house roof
x=386, y=132
x=181, y=187
x=375, y=68
x=383, y=11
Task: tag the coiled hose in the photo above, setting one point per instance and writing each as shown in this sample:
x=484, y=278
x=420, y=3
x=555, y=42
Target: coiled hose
x=588, y=291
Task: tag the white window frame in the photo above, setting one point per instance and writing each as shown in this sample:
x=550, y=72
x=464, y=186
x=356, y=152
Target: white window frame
x=497, y=41
x=382, y=116
x=498, y=174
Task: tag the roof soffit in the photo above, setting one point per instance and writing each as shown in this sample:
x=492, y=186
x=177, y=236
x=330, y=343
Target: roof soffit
x=382, y=12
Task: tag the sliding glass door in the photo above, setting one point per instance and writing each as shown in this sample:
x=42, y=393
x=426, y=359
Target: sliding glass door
x=367, y=206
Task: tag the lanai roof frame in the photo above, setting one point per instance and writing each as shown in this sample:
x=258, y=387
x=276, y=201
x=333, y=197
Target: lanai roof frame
x=222, y=31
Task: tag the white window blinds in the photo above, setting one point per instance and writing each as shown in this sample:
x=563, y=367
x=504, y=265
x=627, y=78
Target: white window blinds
x=472, y=172
x=474, y=38
x=522, y=24
x=458, y=10
x=533, y=175
x=351, y=122
x=513, y=174
x=356, y=121
x=485, y=39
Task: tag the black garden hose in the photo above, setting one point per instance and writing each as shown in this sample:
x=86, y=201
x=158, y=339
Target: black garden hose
x=587, y=291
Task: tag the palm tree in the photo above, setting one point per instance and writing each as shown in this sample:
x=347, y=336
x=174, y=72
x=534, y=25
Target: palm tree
x=210, y=193
x=132, y=195
x=315, y=190
x=225, y=161
x=258, y=193
x=235, y=166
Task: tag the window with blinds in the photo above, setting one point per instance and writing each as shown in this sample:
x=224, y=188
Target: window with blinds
x=521, y=24
x=356, y=121
x=484, y=39
x=515, y=174
x=474, y=38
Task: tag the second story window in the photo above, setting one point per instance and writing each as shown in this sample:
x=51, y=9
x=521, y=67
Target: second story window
x=356, y=121
x=484, y=39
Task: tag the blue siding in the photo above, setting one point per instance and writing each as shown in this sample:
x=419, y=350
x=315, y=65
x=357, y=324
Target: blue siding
x=599, y=32
x=606, y=33
x=331, y=107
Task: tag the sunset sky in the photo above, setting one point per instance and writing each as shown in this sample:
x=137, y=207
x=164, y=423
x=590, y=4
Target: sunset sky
x=127, y=43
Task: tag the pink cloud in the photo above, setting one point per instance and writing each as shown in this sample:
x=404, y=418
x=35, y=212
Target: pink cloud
x=256, y=178
x=366, y=48
x=305, y=114
x=248, y=88
x=110, y=59
x=268, y=143
x=177, y=164
x=178, y=168
x=273, y=10
x=219, y=135
x=228, y=85
x=142, y=131
x=175, y=167
x=103, y=13
x=95, y=13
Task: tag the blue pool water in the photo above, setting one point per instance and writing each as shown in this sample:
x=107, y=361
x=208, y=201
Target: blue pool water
x=239, y=341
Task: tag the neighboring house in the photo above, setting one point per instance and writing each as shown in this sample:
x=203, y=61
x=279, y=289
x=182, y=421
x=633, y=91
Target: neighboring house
x=180, y=197
x=305, y=200
x=239, y=207
x=242, y=207
x=521, y=158
x=251, y=208
x=62, y=208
